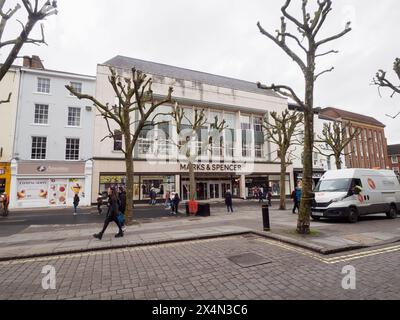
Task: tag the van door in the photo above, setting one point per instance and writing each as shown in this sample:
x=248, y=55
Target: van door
x=373, y=192
x=362, y=199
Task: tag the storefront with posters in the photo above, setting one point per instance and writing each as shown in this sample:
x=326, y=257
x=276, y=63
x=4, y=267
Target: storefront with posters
x=5, y=177
x=50, y=184
x=213, y=180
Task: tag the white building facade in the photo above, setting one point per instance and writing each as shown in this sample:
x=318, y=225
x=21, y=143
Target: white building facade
x=52, y=152
x=241, y=161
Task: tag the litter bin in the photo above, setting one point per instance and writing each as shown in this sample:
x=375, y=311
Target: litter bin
x=204, y=210
x=265, y=214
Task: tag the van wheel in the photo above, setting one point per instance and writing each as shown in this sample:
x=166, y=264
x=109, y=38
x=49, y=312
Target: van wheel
x=392, y=214
x=353, y=216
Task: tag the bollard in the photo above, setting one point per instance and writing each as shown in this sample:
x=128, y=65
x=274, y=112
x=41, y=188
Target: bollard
x=265, y=214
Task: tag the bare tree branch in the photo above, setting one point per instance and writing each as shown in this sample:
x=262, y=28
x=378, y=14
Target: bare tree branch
x=326, y=53
x=381, y=80
x=7, y=100
x=35, y=14
x=325, y=71
x=283, y=90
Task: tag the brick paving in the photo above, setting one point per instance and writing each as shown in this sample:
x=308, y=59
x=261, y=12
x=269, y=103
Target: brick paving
x=201, y=270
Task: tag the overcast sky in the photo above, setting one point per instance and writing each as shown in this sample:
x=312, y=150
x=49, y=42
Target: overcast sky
x=221, y=37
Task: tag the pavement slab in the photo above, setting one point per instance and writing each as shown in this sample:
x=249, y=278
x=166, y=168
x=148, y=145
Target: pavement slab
x=42, y=239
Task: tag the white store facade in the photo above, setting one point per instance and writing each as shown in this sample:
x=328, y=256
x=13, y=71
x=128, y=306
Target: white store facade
x=52, y=152
x=241, y=161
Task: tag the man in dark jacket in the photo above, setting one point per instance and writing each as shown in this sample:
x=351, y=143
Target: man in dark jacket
x=112, y=215
x=229, y=201
x=175, y=202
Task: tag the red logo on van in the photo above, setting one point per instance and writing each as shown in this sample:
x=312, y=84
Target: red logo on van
x=360, y=198
x=372, y=184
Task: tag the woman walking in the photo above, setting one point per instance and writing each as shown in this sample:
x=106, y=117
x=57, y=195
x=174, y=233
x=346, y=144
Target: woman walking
x=76, y=203
x=112, y=215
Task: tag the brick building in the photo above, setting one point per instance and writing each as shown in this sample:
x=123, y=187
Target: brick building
x=394, y=158
x=369, y=149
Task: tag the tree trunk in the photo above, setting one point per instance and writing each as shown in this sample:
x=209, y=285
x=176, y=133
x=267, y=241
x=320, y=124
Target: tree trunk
x=192, y=182
x=303, y=224
x=282, y=205
x=338, y=162
x=129, y=186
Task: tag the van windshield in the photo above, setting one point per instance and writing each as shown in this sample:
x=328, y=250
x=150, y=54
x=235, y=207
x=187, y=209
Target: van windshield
x=337, y=185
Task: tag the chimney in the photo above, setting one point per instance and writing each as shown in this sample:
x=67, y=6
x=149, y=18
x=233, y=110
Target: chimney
x=34, y=62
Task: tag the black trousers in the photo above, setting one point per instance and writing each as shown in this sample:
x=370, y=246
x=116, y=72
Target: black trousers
x=229, y=207
x=107, y=222
x=296, y=206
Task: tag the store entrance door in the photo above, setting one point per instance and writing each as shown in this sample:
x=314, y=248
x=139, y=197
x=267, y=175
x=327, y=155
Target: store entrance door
x=214, y=190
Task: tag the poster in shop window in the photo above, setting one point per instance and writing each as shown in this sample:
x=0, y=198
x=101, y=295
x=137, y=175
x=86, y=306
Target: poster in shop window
x=58, y=192
x=34, y=189
x=76, y=186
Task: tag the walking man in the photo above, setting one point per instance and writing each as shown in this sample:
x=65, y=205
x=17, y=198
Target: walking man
x=76, y=203
x=113, y=210
x=269, y=197
x=229, y=201
x=175, y=202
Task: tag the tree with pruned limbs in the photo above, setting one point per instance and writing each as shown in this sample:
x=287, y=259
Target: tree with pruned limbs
x=309, y=27
x=36, y=13
x=283, y=130
x=135, y=109
x=189, y=129
x=335, y=139
x=382, y=81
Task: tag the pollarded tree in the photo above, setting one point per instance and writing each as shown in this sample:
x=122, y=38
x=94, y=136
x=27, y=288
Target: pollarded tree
x=35, y=13
x=335, y=139
x=309, y=27
x=134, y=97
x=283, y=131
x=189, y=129
x=382, y=81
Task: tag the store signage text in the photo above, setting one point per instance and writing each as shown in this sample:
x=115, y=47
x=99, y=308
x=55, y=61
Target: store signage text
x=214, y=167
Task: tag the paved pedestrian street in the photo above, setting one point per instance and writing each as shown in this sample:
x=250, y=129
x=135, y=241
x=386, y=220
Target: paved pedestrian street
x=236, y=267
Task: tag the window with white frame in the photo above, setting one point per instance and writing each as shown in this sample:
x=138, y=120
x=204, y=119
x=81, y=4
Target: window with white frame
x=117, y=141
x=246, y=136
x=41, y=114
x=72, y=149
x=395, y=159
x=43, y=85
x=316, y=156
x=77, y=86
x=230, y=123
x=259, y=150
x=38, y=151
x=74, y=117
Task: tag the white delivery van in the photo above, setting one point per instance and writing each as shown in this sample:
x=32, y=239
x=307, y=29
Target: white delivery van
x=352, y=193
